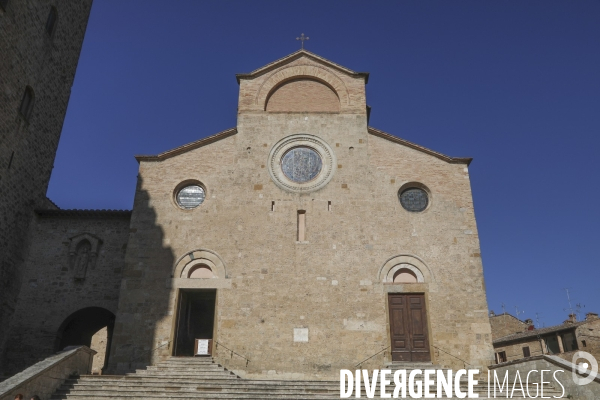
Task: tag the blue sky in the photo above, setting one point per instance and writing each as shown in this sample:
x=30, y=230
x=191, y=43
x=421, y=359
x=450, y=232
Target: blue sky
x=513, y=84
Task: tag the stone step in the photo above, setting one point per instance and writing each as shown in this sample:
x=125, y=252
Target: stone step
x=184, y=371
x=188, y=378
x=91, y=380
x=212, y=396
x=242, y=385
x=86, y=389
x=182, y=365
x=188, y=360
x=186, y=363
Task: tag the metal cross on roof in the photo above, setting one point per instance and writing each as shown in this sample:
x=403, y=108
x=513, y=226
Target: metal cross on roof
x=302, y=38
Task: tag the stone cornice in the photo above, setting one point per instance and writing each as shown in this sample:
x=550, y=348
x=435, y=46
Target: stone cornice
x=295, y=55
x=187, y=147
x=392, y=138
x=85, y=213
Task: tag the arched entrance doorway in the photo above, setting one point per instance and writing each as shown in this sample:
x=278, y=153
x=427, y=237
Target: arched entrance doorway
x=92, y=327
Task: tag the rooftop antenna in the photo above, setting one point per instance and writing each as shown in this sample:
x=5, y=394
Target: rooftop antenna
x=537, y=320
x=517, y=312
x=302, y=38
x=570, y=309
x=503, y=308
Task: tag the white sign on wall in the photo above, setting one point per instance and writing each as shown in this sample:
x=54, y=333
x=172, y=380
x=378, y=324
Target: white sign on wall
x=202, y=349
x=300, y=334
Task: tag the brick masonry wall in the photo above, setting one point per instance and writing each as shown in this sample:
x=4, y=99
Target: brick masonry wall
x=46, y=63
x=303, y=95
x=506, y=324
x=330, y=283
x=50, y=293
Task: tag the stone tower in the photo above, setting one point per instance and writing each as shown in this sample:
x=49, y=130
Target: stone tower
x=40, y=42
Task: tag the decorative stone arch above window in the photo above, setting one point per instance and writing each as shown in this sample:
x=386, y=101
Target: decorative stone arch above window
x=303, y=94
x=402, y=273
x=83, y=254
x=313, y=72
x=409, y=263
x=186, y=265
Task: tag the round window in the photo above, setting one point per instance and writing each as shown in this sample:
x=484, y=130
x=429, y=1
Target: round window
x=301, y=164
x=190, y=196
x=414, y=199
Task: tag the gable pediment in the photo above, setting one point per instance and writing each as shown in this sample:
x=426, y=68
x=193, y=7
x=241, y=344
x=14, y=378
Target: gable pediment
x=316, y=78
x=296, y=56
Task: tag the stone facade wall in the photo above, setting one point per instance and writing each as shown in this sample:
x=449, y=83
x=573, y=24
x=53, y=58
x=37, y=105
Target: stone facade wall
x=330, y=284
x=506, y=324
x=31, y=57
x=590, y=334
x=514, y=351
x=50, y=292
x=99, y=345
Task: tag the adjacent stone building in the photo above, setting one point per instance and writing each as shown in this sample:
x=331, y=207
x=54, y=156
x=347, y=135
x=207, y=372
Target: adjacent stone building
x=300, y=242
x=40, y=42
x=70, y=285
x=515, y=339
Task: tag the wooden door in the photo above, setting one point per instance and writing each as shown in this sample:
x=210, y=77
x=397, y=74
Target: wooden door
x=408, y=327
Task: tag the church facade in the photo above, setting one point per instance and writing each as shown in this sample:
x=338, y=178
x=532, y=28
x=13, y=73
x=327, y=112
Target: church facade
x=301, y=242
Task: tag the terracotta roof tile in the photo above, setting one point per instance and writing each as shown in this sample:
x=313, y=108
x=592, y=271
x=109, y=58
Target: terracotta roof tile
x=540, y=331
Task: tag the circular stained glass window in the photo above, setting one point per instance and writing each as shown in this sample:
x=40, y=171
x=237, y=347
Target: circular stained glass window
x=414, y=199
x=190, y=196
x=301, y=164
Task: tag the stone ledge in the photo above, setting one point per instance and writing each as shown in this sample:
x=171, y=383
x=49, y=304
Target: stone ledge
x=31, y=380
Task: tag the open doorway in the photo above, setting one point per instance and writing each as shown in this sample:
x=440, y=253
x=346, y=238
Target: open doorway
x=195, y=319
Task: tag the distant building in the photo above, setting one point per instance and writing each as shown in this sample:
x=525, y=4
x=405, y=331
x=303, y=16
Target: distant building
x=514, y=339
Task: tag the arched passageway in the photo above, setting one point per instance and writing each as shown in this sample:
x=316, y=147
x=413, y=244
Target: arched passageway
x=92, y=327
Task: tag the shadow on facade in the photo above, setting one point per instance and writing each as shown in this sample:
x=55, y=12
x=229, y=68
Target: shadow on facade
x=143, y=327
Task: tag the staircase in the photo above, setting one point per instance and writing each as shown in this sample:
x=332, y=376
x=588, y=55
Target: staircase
x=202, y=378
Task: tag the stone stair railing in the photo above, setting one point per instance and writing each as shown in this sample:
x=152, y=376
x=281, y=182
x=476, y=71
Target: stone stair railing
x=44, y=377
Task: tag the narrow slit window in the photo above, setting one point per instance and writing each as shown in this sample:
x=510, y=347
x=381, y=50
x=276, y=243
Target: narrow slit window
x=301, y=225
x=51, y=21
x=272, y=206
x=329, y=206
x=27, y=103
x=526, y=352
x=10, y=159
